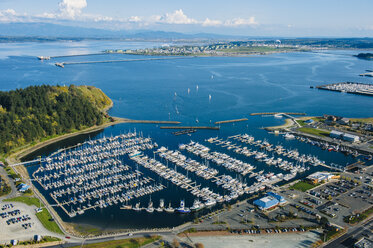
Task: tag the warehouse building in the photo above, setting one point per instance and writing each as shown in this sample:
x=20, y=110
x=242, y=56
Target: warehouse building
x=270, y=201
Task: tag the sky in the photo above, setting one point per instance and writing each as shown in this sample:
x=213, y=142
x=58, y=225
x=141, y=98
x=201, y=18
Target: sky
x=292, y=18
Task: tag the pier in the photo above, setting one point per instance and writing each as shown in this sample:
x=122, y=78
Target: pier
x=277, y=113
x=190, y=127
x=230, y=121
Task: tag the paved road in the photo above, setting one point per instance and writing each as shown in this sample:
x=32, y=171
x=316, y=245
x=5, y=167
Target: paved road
x=4, y=174
x=166, y=234
x=339, y=242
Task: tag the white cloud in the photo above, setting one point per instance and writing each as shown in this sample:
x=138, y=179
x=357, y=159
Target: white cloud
x=10, y=15
x=177, y=17
x=134, y=19
x=72, y=8
x=209, y=22
x=240, y=22
x=72, y=11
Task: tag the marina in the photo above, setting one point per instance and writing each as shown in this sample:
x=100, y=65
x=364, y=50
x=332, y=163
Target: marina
x=193, y=85
x=349, y=87
x=93, y=175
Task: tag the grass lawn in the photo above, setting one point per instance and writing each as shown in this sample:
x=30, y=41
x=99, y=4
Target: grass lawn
x=364, y=120
x=44, y=216
x=47, y=220
x=303, y=186
x=123, y=243
x=301, y=122
x=27, y=200
x=314, y=131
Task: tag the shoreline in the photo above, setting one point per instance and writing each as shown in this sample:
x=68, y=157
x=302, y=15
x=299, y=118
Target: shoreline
x=66, y=227
x=18, y=155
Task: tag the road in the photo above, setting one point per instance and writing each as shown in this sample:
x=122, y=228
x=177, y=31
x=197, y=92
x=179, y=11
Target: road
x=13, y=193
x=356, y=230
x=166, y=234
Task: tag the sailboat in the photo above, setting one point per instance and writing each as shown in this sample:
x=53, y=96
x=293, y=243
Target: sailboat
x=161, y=206
x=169, y=209
x=209, y=98
x=137, y=207
x=188, y=91
x=197, y=87
x=150, y=208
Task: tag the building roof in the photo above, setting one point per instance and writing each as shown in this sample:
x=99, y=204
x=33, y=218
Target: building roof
x=364, y=243
x=350, y=136
x=266, y=202
x=335, y=132
x=319, y=176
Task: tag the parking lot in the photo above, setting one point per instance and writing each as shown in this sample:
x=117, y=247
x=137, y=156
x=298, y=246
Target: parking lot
x=244, y=217
x=18, y=221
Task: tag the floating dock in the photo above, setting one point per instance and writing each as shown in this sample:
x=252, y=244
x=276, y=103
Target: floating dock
x=186, y=131
x=230, y=121
x=190, y=127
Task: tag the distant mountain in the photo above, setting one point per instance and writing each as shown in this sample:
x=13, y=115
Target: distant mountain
x=48, y=31
x=54, y=30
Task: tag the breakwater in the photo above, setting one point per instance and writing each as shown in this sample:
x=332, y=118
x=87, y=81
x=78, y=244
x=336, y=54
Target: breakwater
x=190, y=127
x=230, y=121
x=276, y=113
x=63, y=64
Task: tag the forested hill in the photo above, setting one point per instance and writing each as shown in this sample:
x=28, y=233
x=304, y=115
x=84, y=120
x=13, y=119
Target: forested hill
x=37, y=112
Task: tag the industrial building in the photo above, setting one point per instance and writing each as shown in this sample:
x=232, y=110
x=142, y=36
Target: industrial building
x=344, y=136
x=319, y=176
x=270, y=201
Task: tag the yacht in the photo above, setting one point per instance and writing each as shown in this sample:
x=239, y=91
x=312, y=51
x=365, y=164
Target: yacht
x=182, y=209
x=197, y=205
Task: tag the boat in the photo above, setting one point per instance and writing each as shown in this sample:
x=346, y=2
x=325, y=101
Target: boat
x=169, y=209
x=134, y=154
x=210, y=202
x=161, y=206
x=182, y=209
x=289, y=136
x=137, y=207
x=126, y=207
x=150, y=208
x=197, y=205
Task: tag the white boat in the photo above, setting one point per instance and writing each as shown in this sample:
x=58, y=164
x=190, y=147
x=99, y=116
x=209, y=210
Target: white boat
x=169, y=209
x=161, y=206
x=134, y=154
x=137, y=207
x=289, y=136
x=210, y=202
x=197, y=205
x=150, y=208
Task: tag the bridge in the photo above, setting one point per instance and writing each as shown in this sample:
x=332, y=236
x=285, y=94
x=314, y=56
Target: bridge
x=39, y=160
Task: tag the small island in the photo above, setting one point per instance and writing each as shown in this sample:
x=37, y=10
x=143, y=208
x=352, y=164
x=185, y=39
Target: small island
x=368, y=56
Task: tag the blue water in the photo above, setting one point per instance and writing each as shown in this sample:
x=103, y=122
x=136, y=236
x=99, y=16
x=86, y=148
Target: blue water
x=158, y=90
